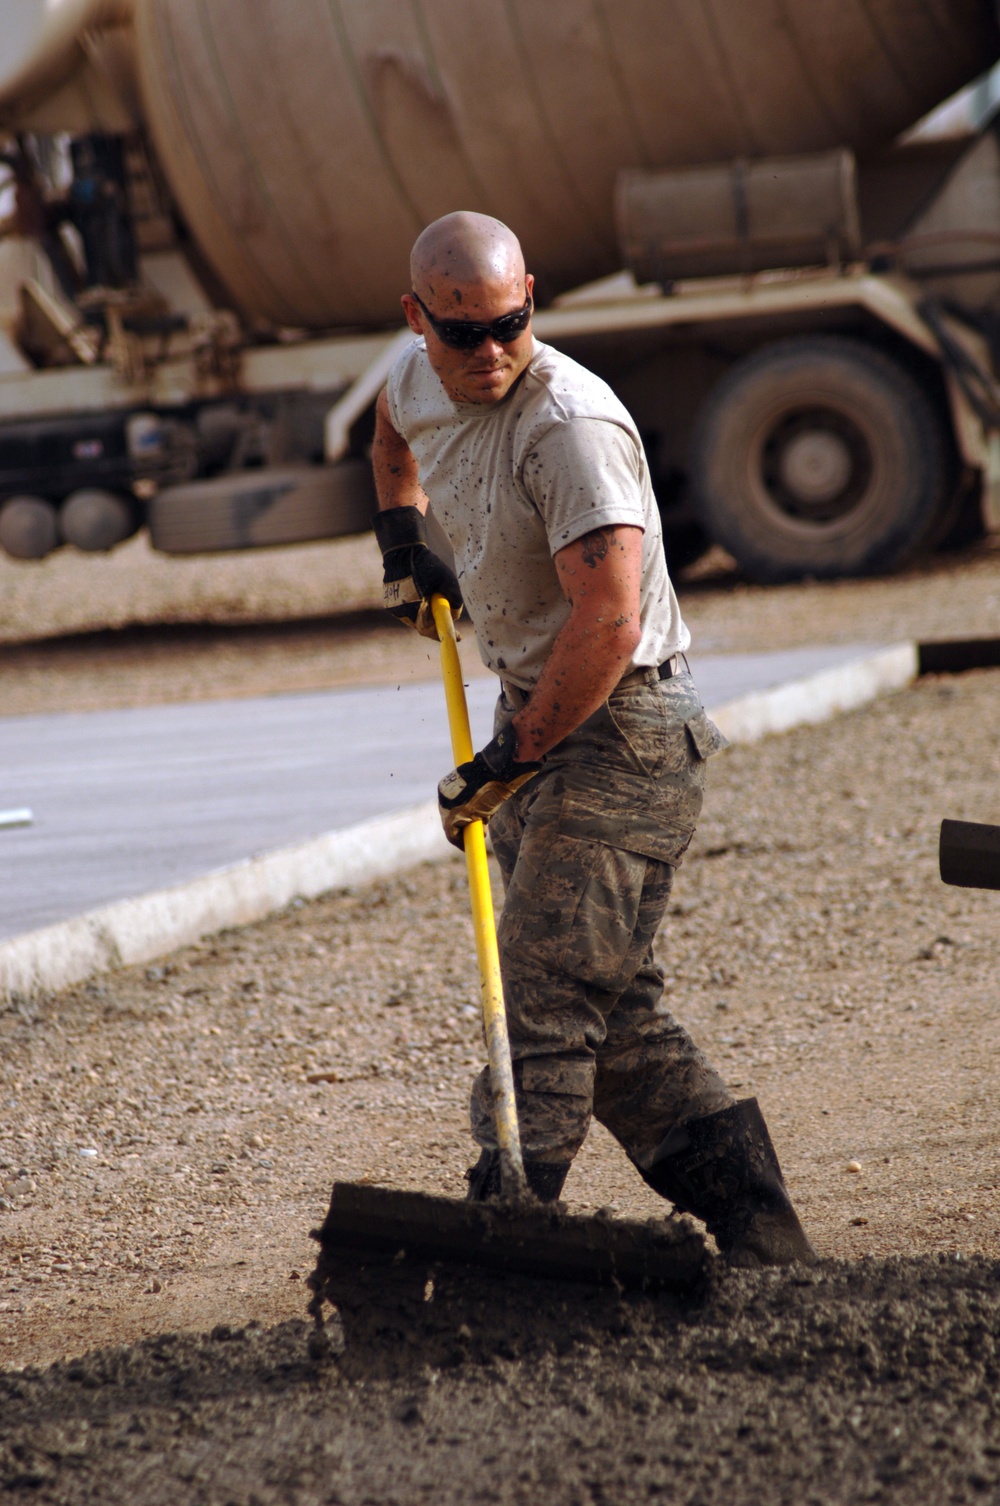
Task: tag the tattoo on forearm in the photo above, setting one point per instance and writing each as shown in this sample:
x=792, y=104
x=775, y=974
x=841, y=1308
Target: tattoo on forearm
x=595, y=547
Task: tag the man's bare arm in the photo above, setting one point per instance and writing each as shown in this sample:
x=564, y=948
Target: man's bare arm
x=412, y=574
x=396, y=480
x=601, y=577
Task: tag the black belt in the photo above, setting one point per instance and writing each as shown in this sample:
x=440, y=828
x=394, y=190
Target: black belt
x=675, y=665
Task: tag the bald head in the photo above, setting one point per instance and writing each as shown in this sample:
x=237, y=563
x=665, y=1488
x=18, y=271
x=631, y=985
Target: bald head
x=462, y=254
x=468, y=269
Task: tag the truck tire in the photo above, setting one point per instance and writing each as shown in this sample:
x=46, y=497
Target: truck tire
x=259, y=508
x=819, y=456
x=97, y=520
x=28, y=528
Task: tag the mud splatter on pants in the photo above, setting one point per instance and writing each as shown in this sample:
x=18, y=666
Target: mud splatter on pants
x=588, y=850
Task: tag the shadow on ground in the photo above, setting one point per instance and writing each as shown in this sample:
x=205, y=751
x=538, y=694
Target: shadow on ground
x=873, y=1381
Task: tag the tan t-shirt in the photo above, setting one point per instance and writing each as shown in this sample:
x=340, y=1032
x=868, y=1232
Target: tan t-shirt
x=512, y=484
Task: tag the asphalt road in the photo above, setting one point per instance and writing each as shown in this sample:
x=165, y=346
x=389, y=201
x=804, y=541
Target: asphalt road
x=129, y=801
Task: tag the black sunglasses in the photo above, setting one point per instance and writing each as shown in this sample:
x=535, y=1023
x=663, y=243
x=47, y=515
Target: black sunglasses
x=465, y=334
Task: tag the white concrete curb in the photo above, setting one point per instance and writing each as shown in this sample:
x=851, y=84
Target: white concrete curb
x=137, y=930
x=817, y=697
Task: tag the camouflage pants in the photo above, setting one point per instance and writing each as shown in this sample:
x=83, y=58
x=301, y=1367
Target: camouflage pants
x=587, y=850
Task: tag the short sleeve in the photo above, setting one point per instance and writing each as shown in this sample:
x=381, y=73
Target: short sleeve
x=390, y=392
x=582, y=474
x=399, y=388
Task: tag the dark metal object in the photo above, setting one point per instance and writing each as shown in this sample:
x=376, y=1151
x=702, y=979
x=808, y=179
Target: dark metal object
x=50, y=457
x=533, y=1238
x=953, y=656
x=53, y=457
x=969, y=855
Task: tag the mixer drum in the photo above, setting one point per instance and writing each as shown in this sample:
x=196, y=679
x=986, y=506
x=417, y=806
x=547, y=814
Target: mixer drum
x=308, y=143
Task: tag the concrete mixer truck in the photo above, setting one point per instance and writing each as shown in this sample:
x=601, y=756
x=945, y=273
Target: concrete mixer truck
x=207, y=207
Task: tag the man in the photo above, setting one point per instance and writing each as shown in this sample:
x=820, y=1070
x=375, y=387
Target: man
x=593, y=783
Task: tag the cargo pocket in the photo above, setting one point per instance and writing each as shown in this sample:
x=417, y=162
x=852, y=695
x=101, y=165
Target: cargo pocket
x=704, y=736
x=599, y=943
x=571, y=909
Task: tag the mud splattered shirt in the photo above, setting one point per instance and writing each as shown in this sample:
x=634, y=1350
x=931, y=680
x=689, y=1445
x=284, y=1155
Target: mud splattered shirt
x=512, y=484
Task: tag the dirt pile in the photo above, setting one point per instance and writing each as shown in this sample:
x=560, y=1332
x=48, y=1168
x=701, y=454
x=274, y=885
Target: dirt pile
x=867, y=1382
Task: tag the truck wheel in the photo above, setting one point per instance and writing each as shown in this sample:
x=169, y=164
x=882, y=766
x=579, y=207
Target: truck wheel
x=97, y=520
x=819, y=456
x=258, y=508
x=28, y=528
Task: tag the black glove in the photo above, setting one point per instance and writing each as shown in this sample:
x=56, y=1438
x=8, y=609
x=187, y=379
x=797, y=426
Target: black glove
x=476, y=790
x=412, y=573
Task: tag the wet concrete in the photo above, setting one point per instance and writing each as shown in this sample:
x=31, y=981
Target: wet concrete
x=130, y=800
x=872, y=1381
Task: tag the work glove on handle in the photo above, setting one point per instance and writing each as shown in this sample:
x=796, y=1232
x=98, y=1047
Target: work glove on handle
x=412, y=573
x=475, y=790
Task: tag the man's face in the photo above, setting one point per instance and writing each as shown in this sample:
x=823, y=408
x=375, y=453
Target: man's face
x=487, y=373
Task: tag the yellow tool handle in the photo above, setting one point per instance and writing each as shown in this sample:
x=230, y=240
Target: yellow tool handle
x=512, y=1179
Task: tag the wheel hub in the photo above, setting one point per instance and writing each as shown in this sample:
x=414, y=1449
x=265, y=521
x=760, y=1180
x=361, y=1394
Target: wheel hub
x=816, y=465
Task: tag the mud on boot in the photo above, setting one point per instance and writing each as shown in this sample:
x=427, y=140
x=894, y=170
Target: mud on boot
x=723, y=1168
x=545, y=1178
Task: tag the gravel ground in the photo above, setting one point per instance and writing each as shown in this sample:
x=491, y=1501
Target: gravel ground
x=163, y=1154
x=871, y=1383
x=128, y=646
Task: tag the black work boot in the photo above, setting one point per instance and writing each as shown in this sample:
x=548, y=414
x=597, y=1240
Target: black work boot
x=545, y=1178
x=723, y=1169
